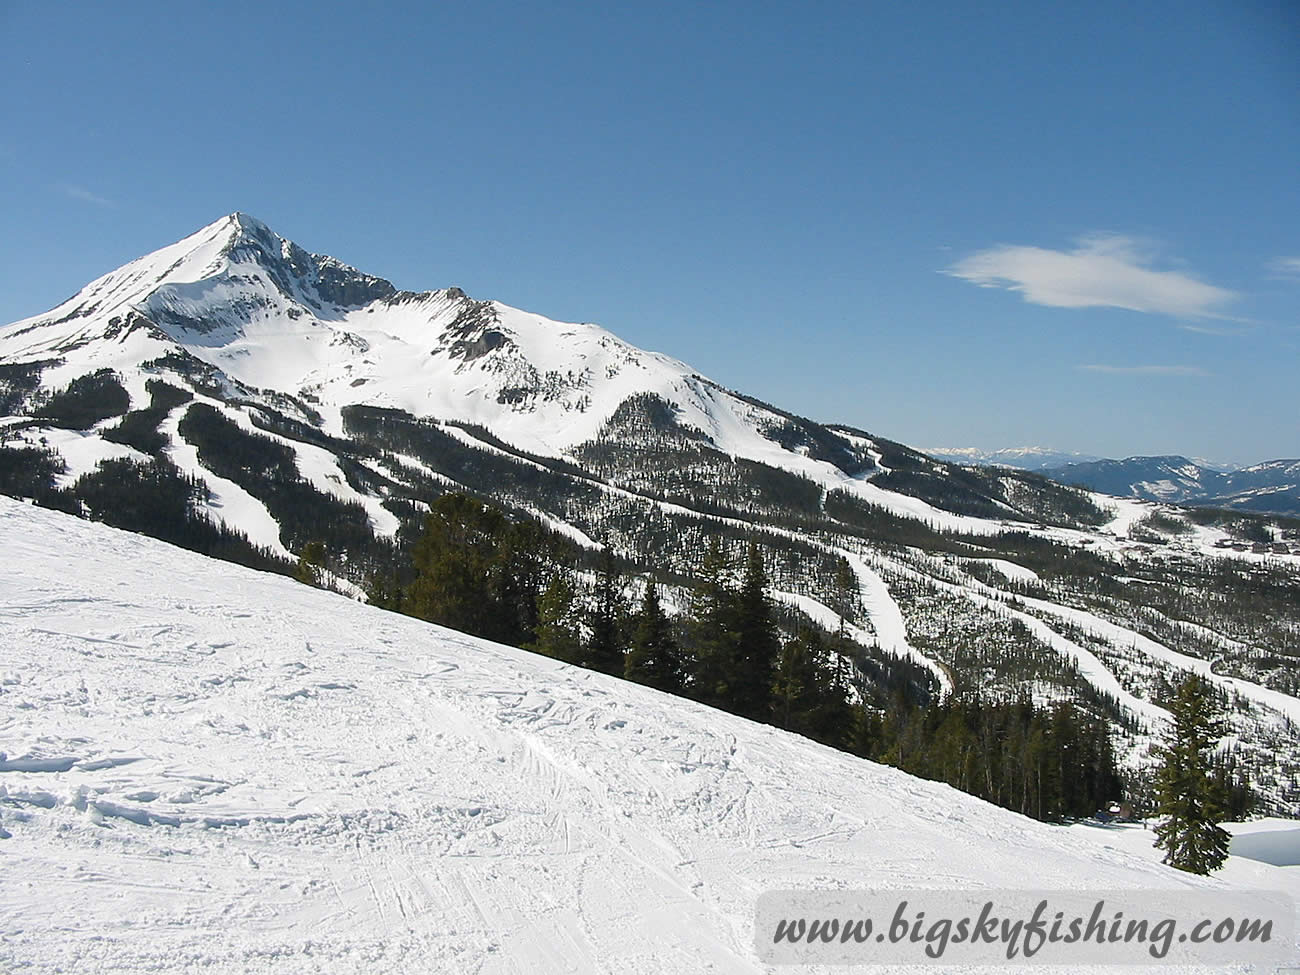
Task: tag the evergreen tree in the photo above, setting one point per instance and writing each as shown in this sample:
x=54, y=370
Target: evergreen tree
x=756, y=645
x=453, y=562
x=654, y=657
x=525, y=553
x=605, y=648
x=476, y=571
x=1188, y=798
x=795, y=687
x=847, y=594
x=712, y=630
x=867, y=732
x=1234, y=784
x=557, y=621
x=311, y=564
x=810, y=691
x=384, y=589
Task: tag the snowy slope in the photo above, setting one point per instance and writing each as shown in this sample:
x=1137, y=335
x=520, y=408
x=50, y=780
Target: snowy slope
x=281, y=342
x=273, y=321
x=235, y=773
x=267, y=314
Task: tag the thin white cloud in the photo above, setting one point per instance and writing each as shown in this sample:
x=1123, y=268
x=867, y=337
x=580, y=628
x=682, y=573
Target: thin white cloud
x=1146, y=370
x=1230, y=331
x=83, y=194
x=1285, y=267
x=1103, y=271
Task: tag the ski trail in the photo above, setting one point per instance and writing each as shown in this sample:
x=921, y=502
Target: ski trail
x=1090, y=665
x=228, y=503
x=883, y=611
x=1122, y=636
x=887, y=618
x=234, y=772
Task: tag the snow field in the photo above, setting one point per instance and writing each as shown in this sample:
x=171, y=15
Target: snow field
x=209, y=768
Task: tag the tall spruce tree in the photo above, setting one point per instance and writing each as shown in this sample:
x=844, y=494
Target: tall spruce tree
x=1188, y=797
x=654, y=657
x=454, y=559
x=795, y=687
x=847, y=594
x=757, y=645
x=605, y=648
x=834, y=720
x=311, y=564
x=712, y=631
x=558, y=633
x=477, y=571
x=526, y=553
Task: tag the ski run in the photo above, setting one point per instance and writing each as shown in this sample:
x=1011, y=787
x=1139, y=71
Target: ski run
x=206, y=768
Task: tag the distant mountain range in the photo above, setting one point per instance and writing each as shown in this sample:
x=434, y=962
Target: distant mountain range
x=1271, y=487
x=1021, y=458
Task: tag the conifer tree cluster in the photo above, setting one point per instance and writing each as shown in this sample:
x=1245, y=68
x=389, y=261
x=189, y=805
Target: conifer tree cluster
x=479, y=572
x=653, y=656
x=476, y=570
x=1049, y=763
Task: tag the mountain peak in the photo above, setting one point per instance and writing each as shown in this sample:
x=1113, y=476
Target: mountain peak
x=315, y=280
x=247, y=221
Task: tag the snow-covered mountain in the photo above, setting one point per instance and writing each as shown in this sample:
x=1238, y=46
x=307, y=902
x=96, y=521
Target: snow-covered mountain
x=1169, y=478
x=206, y=767
x=240, y=396
x=269, y=316
x=1273, y=486
x=1022, y=458
x=240, y=319
x=1269, y=487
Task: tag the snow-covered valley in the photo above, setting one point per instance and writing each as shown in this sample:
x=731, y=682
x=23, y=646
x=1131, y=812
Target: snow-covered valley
x=210, y=768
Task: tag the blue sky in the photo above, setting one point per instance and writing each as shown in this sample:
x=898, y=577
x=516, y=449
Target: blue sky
x=948, y=223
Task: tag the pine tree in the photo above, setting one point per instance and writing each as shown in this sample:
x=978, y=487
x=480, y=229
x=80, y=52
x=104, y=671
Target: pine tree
x=557, y=621
x=517, y=573
x=795, y=686
x=453, y=561
x=712, y=630
x=756, y=645
x=868, y=731
x=478, y=572
x=654, y=657
x=847, y=594
x=605, y=648
x=1188, y=798
x=311, y=564
x=384, y=590
x=832, y=719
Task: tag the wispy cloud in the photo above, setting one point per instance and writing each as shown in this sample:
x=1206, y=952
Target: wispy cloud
x=1146, y=370
x=1230, y=331
x=1103, y=271
x=83, y=194
x=1285, y=267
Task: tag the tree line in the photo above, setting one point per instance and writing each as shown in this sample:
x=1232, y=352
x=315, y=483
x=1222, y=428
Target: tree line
x=515, y=582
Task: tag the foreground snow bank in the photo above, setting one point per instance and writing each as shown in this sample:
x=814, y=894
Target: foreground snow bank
x=210, y=768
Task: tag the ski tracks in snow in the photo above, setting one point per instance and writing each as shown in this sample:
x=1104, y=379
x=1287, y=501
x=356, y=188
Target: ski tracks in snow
x=210, y=768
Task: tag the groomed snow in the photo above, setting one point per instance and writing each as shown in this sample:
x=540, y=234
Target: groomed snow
x=209, y=768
